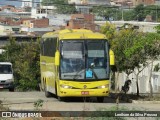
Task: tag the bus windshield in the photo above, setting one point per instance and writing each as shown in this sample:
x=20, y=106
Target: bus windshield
x=5, y=69
x=84, y=60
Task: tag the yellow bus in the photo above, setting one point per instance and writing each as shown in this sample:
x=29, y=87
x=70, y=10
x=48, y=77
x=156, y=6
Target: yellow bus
x=75, y=63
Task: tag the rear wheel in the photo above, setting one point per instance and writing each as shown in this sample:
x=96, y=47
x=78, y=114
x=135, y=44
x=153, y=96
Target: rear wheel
x=47, y=94
x=100, y=99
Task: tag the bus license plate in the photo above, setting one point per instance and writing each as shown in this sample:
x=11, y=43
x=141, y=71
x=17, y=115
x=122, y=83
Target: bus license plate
x=1, y=86
x=85, y=92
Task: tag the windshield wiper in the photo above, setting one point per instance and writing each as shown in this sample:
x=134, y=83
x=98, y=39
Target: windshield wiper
x=77, y=74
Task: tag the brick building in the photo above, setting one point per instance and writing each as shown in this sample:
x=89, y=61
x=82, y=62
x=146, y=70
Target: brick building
x=13, y=21
x=78, y=21
x=36, y=23
x=145, y=2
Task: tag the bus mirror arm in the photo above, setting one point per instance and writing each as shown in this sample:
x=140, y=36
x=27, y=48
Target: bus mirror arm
x=57, y=58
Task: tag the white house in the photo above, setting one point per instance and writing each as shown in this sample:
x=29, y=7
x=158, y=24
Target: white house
x=26, y=3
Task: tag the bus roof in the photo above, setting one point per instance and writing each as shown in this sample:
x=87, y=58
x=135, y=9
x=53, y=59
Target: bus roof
x=74, y=34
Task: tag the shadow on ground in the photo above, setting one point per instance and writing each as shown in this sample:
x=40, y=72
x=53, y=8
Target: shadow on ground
x=112, y=98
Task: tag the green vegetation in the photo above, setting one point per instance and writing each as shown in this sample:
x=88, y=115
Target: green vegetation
x=2, y=108
x=25, y=59
x=138, y=13
x=133, y=51
x=62, y=6
x=38, y=104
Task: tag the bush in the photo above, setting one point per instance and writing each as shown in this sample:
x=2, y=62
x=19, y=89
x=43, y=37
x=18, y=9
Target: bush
x=25, y=59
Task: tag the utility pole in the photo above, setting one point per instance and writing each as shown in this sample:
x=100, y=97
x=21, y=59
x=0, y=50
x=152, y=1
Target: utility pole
x=156, y=14
x=122, y=9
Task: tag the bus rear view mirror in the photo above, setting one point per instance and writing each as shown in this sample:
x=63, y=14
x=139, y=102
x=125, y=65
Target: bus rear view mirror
x=111, y=54
x=57, y=55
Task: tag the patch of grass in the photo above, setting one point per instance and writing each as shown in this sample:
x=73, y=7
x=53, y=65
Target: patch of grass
x=38, y=104
x=2, y=108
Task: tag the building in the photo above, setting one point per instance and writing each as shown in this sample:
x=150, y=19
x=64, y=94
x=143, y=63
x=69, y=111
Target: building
x=145, y=2
x=131, y=3
x=26, y=3
x=75, y=1
x=11, y=8
x=58, y=19
x=84, y=6
x=42, y=11
x=78, y=21
x=36, y=23
x=157, y=2
x=8, y=30
x=13, y=12
x=92, y=2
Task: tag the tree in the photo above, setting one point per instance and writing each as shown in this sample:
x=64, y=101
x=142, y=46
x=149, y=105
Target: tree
x=109, y=30
x=107, y=13
x=25, y=60
x=152, y=50
x=139, y=12
x=128, y=15
x=128, y=46
x=62, y=6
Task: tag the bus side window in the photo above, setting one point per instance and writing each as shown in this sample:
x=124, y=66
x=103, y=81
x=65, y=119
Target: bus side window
x=50, y=47
x=42, y=47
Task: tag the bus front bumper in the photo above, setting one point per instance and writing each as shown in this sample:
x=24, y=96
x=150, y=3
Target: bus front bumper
x=83, y=92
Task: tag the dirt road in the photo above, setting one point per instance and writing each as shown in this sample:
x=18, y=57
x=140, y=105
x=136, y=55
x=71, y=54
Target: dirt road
x=26, y=100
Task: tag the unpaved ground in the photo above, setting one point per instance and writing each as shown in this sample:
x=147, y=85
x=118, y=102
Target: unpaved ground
x=24, y=101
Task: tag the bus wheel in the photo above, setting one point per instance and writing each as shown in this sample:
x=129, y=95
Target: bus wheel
x=60, y=98
x=100, y=99
x=47, y=94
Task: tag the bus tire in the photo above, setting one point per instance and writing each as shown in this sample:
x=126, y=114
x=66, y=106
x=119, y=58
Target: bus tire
x=60, y=98
x=47, y=94
x=100, y=99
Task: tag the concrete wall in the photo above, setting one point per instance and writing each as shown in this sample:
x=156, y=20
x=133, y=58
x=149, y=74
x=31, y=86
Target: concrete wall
x=143, y=80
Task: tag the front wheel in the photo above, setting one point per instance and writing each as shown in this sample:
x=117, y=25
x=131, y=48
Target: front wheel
x=60, y=98
x=100, y=99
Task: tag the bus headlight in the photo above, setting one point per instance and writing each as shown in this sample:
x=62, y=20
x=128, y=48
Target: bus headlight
x=103, y=86
x=66, y=86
